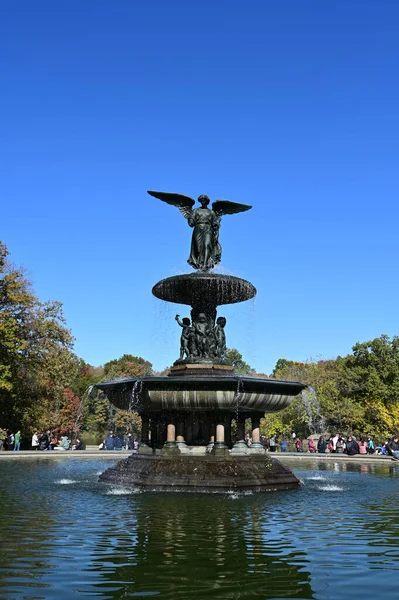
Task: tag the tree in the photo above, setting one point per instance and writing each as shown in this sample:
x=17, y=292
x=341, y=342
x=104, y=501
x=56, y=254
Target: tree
x=127, y=366
x=374, y=371
x=236, y=359
x=36, y=358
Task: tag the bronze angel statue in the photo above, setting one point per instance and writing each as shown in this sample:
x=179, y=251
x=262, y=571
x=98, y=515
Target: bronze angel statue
x=206, y=252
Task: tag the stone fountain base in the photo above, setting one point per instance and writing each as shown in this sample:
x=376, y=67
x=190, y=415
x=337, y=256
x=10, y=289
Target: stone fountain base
x=208, y=473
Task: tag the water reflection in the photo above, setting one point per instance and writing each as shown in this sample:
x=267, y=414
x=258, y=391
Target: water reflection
x=64, y=534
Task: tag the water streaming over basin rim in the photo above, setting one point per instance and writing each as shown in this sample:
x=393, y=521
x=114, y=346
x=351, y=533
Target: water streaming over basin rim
x=196, y=393
x=198, y=288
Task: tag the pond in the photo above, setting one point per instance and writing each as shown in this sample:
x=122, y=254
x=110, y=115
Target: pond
x=64, y=535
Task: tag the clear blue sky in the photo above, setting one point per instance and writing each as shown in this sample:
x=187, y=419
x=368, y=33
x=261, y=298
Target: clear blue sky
x=291, y=106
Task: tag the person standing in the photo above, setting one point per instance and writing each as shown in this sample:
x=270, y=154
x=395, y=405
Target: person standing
x=311, y=446
x=10, y=441
x=17, y=441
x=299, y=445
x=35, y=441
x=3, y=439
x=272, y=444
x=321, y=445
x=370, y=446
x=352, y=446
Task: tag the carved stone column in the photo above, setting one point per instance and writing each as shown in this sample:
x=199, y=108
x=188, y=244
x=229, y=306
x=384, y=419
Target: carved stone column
x=170, y=445
x=145, y=428
x=256, y=445
x=220, y=446
x=180, y=441
x=212, y=435
x=240, y=447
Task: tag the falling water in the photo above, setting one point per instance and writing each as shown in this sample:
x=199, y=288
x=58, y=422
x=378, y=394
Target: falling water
x=135, y=395
x=80, y=411
x=311, y=403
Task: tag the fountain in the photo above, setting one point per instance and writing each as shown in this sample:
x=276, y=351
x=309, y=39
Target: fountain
x=186, y=439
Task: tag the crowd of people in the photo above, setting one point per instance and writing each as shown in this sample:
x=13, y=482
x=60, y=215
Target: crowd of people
x=40, y=441
x=59, y=441
x=116, y=442
x=336, y=443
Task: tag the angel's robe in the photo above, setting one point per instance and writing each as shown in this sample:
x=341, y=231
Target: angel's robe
x=206, y=251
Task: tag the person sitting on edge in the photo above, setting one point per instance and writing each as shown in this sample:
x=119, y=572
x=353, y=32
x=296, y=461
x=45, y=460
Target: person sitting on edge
x=340, y=445
x=118, y=443
x=64, y=443
x=43, y=441
x=393, y=448
x=79, y=445
x=362, y=446
x=109, y=441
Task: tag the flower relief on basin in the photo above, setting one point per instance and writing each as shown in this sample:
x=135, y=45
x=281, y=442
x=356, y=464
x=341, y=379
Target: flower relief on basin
x=186, y=438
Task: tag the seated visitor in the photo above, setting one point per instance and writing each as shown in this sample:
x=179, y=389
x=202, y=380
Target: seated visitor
x=43, y=441
x=118, y=443
x=362, y=446
x=80, y=445
x=64, y=444
x=53, y=441
x=393, y=447
x=340, y=445
x=109, y=441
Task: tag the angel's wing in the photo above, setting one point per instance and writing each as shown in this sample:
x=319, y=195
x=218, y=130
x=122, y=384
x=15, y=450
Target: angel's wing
x=225, y=207
x=184, y=203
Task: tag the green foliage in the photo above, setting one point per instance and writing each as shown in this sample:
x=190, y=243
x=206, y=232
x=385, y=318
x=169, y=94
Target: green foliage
x=36, y=358
x=358, y=393
x=236, y=359
x=127, y=366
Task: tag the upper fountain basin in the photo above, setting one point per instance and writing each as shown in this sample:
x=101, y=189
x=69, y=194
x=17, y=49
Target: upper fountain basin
x=193, y=288
x=195, y=393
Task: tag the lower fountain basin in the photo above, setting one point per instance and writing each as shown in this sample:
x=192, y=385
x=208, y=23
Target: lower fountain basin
x=202, y=474
x=198, y=394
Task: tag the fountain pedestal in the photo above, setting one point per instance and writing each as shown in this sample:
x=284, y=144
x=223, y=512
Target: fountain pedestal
x=197, y=402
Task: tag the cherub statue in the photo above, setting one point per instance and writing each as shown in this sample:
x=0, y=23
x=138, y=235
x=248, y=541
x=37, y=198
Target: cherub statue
x=220, y=337
x=187, y=339
x=206, y=251
x=202, y=335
